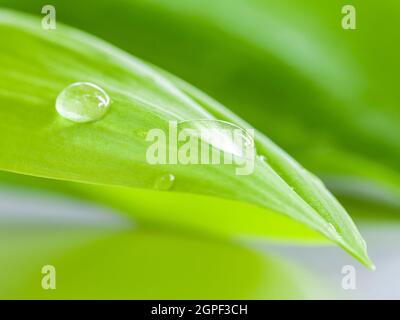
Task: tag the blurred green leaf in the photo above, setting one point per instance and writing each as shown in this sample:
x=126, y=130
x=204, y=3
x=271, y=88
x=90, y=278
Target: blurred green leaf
x=140, y=264
x=36, y=65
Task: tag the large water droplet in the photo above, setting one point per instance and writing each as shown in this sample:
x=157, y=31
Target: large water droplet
x=222, y=135
x=164, y=182
x=82, y=102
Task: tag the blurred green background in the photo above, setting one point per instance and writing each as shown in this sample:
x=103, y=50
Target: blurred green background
x=326, y=95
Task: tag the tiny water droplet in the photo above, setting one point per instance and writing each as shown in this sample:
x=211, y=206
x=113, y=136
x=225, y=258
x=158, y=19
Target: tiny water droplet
x=363, y=243
x=164, y=182
x=332, y=227
x=82, y=102
x=222, y=135
x=262, y=158
x=335, y=231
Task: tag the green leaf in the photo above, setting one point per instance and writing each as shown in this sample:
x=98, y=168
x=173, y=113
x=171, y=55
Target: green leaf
x=140, y=264
x=36, y=65
x=286, y=66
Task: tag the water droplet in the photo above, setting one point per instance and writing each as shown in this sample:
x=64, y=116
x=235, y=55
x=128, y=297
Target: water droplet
x=82, y=102
x=262, y=158
x=164, y=182
x=363, y=243
x=334, y=232
x=222, y=135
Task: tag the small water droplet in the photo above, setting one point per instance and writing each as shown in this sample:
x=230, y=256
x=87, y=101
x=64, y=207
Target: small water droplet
x=222, y=135
x=262, y=158
x=82, y=102
x=335, y=232
x=363, y=243
x=164, y=182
